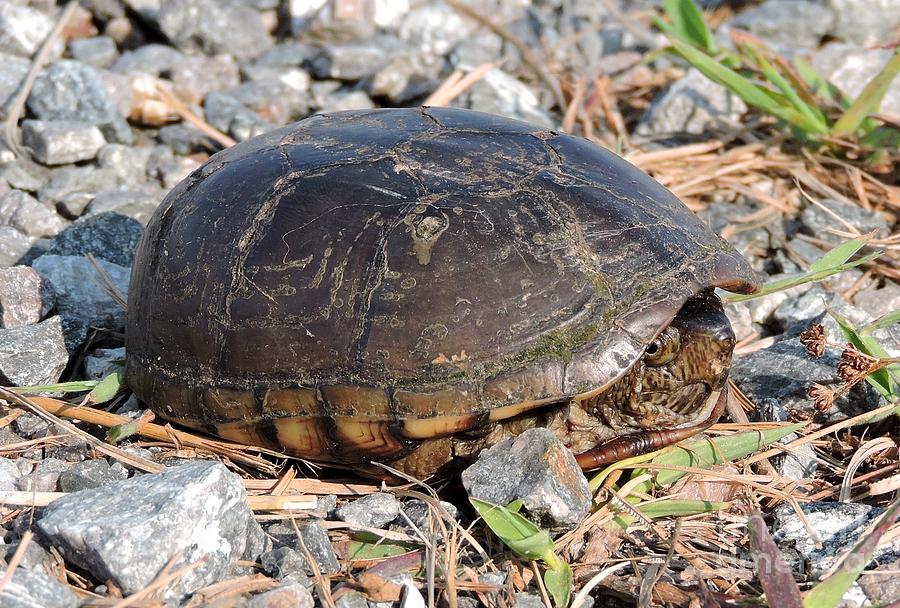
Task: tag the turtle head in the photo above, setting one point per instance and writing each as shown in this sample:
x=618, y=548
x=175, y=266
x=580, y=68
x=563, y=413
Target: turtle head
x=671, y=383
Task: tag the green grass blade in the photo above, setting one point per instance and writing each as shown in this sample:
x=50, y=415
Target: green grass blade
x=830, y=591
x=558, y=580
x=884, y=136
x=768, y=101
x=673, y=507
x=819, y=85
x=800, y=279
x=814, y=115
x=891, y=318
x=838, y=255
x=689, y=25
x=881, y=379
x=519, y=534
x=869, y=100
x=78, y=386
x=705, y=453
x=106, y=389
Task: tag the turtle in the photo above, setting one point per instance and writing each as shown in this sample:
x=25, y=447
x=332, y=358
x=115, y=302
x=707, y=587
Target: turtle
x=409, y=286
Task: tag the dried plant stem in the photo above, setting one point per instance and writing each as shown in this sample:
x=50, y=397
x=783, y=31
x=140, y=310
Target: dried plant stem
x=235, y=452
x=17, y=104
x=49, y=409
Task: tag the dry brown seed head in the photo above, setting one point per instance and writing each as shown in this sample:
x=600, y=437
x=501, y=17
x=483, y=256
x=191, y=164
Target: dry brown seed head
x=814, y=338
x=822, y=396
x=854, y=364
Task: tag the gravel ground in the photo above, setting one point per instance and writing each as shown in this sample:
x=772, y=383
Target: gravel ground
x=108, y=104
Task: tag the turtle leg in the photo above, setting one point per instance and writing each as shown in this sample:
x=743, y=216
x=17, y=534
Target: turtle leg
x=620, y=448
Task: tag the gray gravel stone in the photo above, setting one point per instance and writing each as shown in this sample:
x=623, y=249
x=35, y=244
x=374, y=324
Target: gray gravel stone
x=850, y=68
x=24, y=296
x=315, y=539
x=70, y=90
x=784, y=372
x=13, y=72
x=60, y=142
x=9, y=473
x=139, y=205
x=433, y=29
x=184, y=139
x=44, y=477
x=374, y=510
x=194, y=77
x=22, y=28
x=787, y=24
x=838, y=525
x=419, y=513
x=71, y=189
x=500, y=93
x=24, y=213
x=30, y=426
x=821, y=223
x=285, y=564
x=36, y=589
x=127, y=533
x=152, y=59
x=209, y=26
x=340, y=101
x=878, y=301
x=90, y=474
x=33, y=354
x=103, y=362
x=287, y=596
x=97, y=51
x=528, y=600
x=798, y=312
x=865, y=22
x=107, y=236
x=537, y=469
x=354, y=60
x=80, y=298
x=227, y=114
x=351, y=599
x=694, y=104
x=128, y=164
x=13, y=245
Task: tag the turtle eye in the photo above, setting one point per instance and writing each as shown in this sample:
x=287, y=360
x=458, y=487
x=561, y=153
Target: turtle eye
x=663, y=349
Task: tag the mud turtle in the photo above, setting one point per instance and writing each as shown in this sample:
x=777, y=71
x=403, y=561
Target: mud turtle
x=411, y=285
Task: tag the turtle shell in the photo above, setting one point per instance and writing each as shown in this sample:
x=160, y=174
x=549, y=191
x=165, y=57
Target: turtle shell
x=355, y=282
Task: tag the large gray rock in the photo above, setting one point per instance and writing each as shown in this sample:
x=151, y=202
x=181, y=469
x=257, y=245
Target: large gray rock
x=537, y=469
x=373, y=510
x=25, y=297
x=24, y=213
x=107, y=236
x=850, y=69
x=128, y=532
x=36, y=589
x=60, y=142
x=81, y=299
x=33, y=354
x=838, y=525
x=823, y=223
x=22, y=28
x=787, y=24
x=866, y=22
x=13, y=245
x=71, y=189
x=499, y=93
x=11, y=76
x=209, y=26
x=69, y=90
x=694, y=104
